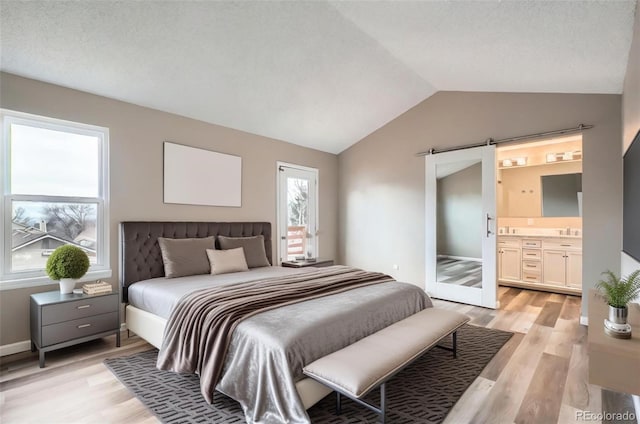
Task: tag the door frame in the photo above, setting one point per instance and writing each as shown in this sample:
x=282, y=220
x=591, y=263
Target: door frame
x=486, y=297
x=279, y=207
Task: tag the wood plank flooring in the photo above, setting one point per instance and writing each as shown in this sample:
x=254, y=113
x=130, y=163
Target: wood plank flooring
x=540, y=375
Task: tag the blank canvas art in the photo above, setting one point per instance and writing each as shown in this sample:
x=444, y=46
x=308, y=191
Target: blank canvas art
x=195, y=176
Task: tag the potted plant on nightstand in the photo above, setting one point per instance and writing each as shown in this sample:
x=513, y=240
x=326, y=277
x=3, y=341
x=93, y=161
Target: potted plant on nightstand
x=67, y=264
x=618, y=292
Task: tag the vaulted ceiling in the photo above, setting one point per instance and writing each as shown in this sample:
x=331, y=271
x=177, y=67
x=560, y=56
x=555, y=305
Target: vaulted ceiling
x=319, y=74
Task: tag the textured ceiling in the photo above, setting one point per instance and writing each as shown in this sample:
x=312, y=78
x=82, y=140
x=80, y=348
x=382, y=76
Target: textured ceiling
x=319, y=74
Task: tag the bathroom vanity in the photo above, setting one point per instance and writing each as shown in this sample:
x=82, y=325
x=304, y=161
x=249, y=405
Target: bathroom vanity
x=542, y=260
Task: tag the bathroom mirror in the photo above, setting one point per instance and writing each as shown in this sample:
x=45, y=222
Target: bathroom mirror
x=540, y=191
x=561, y=195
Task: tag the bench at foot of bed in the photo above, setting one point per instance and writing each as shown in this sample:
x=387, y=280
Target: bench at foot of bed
x=370, y=362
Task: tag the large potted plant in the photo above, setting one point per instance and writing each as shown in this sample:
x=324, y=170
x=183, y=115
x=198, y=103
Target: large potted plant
x=618, y=292
x=67, y=264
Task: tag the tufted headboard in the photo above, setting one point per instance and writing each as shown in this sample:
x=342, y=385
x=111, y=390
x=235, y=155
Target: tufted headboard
x=140, y=257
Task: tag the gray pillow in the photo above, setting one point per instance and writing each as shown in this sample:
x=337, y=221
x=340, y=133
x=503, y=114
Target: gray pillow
x=253, y=247
x=187, y=256
x=225, y=261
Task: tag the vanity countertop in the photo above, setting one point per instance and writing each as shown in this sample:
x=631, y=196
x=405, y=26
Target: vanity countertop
x=572, y=233
x=541, y=236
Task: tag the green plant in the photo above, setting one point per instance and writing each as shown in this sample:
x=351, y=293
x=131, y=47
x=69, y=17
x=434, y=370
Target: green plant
x=67, y=261
x=617, y=292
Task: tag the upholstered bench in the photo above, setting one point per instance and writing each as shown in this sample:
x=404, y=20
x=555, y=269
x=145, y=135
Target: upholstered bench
x=370, y=362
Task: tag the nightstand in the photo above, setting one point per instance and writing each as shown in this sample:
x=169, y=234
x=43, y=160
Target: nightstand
x=304, y=263
x=60, y=320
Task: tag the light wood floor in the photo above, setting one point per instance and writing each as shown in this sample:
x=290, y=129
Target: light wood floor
x=539, y=376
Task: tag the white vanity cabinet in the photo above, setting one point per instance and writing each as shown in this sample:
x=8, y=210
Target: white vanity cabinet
x=563, y=262
x=509, y=259
x=541, y=263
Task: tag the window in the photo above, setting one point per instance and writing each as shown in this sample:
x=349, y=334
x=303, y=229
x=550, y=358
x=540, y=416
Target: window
x=55, y=192
x=297, y=211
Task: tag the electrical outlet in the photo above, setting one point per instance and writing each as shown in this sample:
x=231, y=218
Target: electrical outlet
x=396, y=266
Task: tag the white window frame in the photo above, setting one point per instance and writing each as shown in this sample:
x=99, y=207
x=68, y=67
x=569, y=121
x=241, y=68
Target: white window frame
x=30, y=278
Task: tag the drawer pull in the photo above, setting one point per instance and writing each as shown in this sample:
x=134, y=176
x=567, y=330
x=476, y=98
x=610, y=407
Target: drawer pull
x=84, y=325
x=531, y=254
x=531, y=278
x=565, y=245
x=83, y=306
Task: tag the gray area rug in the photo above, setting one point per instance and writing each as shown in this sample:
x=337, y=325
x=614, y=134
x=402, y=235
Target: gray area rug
x=424, y=392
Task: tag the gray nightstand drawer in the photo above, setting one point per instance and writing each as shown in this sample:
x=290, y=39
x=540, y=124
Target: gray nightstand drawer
x=85, y=307
x=69, y=330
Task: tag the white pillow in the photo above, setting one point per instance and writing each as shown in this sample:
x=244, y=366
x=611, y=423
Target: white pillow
x=225, y=261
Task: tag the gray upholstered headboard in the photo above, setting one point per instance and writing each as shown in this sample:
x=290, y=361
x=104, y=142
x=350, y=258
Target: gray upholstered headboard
x=140, y=257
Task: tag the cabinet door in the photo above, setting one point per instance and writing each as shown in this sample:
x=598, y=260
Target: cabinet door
x=553, y=267
x=574, y=269
x=510, y=263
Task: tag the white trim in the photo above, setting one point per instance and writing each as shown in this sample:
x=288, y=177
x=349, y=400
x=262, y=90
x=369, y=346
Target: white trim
x=316, y=172
x=31, y=278
x=46, y=281
x=13, y=348
x=584, y=321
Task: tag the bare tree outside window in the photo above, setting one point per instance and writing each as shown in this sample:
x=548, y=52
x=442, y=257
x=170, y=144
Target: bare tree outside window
x=20, y=217
x=69, y=219
x=298, y=197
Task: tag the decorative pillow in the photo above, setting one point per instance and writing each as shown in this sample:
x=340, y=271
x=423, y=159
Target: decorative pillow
x=187, y=256
x=253, y=249
x=225, y=261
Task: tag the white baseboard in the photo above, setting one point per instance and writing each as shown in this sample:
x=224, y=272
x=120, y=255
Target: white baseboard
x=12, y=348
x=584, y=321
x=123, y=326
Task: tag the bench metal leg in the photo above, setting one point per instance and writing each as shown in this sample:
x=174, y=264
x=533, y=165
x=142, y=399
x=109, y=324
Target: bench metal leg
x=455, y=344
x=383, y=402
x=381, y=411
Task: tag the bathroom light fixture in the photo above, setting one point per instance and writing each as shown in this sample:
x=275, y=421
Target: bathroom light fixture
x=564, y=156
x=506, y=163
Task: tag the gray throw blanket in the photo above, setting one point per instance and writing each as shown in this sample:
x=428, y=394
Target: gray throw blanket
x=200, y=327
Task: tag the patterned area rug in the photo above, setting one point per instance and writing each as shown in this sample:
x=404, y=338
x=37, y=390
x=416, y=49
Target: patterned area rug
x=424, y=392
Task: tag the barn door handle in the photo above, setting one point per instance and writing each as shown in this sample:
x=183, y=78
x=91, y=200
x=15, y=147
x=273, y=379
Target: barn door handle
x=488, y=228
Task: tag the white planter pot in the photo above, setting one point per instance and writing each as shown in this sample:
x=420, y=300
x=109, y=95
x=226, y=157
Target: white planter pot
x=67, y=285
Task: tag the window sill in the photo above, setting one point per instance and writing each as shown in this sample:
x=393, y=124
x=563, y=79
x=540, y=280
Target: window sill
x=46, y=281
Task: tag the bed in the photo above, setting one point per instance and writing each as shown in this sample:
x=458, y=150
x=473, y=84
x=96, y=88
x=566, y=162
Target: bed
x=263, y=368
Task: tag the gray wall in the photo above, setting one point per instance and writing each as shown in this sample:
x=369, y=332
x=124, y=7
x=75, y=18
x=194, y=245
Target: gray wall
x=631, y=112
x=458, y=195
x=136, y=136
x=382, y=180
